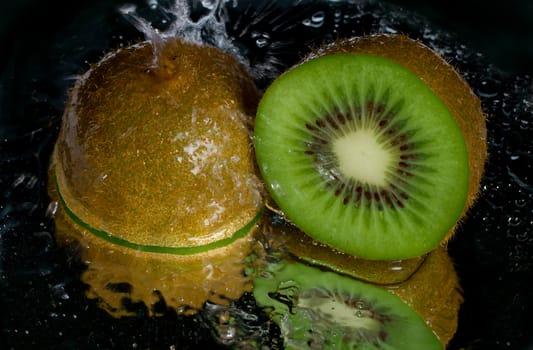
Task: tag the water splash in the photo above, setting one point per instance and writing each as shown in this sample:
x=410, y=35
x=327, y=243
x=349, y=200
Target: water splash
x=177, y=22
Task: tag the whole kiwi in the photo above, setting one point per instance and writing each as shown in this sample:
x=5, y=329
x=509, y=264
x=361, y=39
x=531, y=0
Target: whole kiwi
x=154, y=173
x=374, y=145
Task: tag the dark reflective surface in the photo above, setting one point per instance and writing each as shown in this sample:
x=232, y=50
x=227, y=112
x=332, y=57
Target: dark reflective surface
x=42, y=300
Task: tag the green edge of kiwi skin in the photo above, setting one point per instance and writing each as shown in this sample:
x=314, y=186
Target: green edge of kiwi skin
x=312, y=91
x=153, y=248
x=308, y=306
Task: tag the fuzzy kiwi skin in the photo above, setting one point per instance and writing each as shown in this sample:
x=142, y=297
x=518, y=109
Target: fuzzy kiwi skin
x=435, y=293
x=126, y=166
x=440, y=77
x=160, y=155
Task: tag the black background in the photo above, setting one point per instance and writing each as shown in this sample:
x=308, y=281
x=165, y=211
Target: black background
x=503, y=31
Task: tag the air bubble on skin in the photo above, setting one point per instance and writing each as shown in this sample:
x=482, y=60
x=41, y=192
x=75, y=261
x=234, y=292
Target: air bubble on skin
x=200, y=152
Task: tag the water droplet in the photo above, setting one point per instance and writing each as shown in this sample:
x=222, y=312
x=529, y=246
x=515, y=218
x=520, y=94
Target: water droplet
x=316, y=20
x=20, y=179
x=210, y=4
x=360, y=305
x=390, y=30
x=261, y=42
x=261, y=39
x=128, y=9
x=520, y=202
x=514, y=220
x=487, y=88
x=524, y=124
x=153, y=4
x=266, y=274
x=523, y=237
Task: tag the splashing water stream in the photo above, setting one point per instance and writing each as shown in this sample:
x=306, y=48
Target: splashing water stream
x=207, y=29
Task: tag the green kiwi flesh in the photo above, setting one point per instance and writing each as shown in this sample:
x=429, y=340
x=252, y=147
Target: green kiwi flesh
x=323, y=310
x=361, y=155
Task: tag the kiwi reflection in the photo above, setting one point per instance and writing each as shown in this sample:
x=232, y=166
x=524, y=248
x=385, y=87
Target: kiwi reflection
x=428, y=285
x=155, y=179
x=119, y=279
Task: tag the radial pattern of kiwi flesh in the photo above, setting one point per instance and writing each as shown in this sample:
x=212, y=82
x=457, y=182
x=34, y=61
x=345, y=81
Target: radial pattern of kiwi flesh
x=360, y=154
x=323, y=310
x=341, y=142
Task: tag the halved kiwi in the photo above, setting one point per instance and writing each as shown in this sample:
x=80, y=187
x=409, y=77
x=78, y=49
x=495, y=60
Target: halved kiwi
x=323, y=310
x=362, y=155
x=154, y=173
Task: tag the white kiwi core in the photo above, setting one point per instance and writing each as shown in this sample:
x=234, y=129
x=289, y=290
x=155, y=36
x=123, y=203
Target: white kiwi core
x=361, y=157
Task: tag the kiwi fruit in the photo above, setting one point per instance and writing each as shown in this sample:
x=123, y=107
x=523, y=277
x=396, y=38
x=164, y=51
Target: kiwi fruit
x=290, y=242
x=317, y=309
x=154, y=174
x=362, y=154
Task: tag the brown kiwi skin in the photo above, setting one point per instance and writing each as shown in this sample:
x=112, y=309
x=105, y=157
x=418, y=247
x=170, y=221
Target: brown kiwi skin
x=127, y=112
x=443, y=79
x=282, y=235
x=435, y=293
x=115, y=156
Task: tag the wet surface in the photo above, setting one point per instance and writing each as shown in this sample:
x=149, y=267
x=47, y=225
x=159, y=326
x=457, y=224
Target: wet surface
x=41, y=297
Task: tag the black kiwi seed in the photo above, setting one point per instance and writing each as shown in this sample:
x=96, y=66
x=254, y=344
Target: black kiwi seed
x=383, y=123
